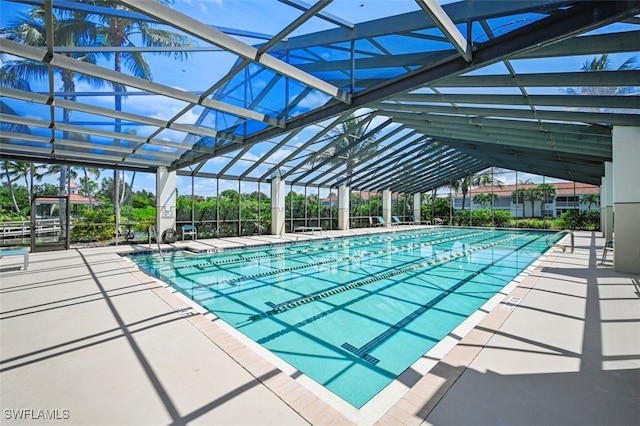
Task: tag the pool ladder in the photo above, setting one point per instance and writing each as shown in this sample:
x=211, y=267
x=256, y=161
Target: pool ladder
x=152, y=231
x=564, y=248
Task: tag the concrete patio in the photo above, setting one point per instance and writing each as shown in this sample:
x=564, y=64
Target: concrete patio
x=90, y=340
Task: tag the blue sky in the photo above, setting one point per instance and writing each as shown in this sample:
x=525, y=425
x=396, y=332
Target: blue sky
x=262, y=16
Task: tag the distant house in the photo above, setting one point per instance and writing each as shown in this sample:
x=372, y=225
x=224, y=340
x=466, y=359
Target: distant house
x=569, y=196
x=75, y=200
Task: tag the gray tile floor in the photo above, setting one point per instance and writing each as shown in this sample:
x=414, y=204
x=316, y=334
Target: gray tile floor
x=84, y=335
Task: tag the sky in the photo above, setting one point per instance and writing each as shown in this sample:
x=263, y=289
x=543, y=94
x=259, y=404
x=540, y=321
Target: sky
x=260, y=16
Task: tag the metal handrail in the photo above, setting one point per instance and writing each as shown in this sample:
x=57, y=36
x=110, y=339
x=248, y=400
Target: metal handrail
x=564, y=248
x=152, y=231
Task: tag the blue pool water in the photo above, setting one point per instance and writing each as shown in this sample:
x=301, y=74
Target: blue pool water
x=353, y=313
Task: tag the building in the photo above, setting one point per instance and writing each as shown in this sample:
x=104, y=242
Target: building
x=569, y=196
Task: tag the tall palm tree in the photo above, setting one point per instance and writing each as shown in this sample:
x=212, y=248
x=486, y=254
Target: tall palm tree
x=352, y=148
x=70, y=28
x=546, y=193
x=485, y=199
x=10, y=177
x=590, y=199
x=603, y=63
x=482, y=179
x=120, y=32
x=532, y=195
x=95, y=172
x=519, y=195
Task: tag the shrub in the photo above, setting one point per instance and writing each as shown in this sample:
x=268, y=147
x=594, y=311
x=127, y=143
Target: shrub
x=501, y=218
x=583, y=221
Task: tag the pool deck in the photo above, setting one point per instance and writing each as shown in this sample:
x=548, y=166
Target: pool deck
x=87, y=338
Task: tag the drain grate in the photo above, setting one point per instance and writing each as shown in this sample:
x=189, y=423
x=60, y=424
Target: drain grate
x=511, y=304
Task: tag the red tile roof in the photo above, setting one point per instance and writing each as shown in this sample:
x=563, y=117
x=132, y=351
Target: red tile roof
x=564, y=188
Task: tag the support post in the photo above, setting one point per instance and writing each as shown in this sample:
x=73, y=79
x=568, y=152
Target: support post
x=165, y=200
x=603, y=187
x=344, y=197
x=386, y=207
x=626, y=199
x=417, y=206
x=608, y=201
x=277, y=206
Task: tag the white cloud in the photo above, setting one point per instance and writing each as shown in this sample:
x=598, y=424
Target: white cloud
x=313, y=100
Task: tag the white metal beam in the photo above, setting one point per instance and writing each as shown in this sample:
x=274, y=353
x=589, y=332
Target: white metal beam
x=446, y=25
x=37, y=54
x=197, y=29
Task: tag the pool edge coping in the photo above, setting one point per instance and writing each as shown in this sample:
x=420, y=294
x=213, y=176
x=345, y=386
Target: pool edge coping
x=316, y=404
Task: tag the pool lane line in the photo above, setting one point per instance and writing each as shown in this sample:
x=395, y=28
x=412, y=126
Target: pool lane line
x=290, y=305
x=235, y=281
x=364, y=350
x=402, y=265
x=304, y=251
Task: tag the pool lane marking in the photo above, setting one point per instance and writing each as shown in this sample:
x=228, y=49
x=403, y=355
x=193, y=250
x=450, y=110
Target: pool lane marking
x=364, y=350
x=235, y=281
x=327, y=293
x=303, y=251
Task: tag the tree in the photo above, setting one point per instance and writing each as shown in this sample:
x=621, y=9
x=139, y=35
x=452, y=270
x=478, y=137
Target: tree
x=485, y=199
x=10, y=177
x=590, y=199
x=598, y=64
x=532, y=195
x=547, y=194
x=87, y=183
x=483, y=179
x=70, y=28
x=352, y=148
x=121, y=32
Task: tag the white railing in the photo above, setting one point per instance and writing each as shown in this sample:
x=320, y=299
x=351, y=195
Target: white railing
x=564, y=248
x=22, y=228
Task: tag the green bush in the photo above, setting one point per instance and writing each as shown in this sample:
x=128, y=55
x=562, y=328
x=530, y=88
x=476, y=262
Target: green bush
x=501, y=218
x=95, y=225
x=535, y=223
x=582, y=221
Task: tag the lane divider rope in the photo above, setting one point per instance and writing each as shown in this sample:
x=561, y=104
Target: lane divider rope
x=284, y=307
x=301, y=251
x=235, y=281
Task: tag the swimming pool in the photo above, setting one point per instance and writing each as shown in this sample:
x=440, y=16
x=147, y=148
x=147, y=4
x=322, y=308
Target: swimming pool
x=353, y=313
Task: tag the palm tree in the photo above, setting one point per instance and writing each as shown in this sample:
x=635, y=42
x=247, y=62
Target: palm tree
x=532, y=195
x=547, y=194
x=482, y=179
x=95, y=172
x=120, y=32
x=352, y=148
x=518, y=197
x=462, y=185
x=10, y=177
x=603, y=63
x=590, y=199
x=70, y=28
x=485, y=199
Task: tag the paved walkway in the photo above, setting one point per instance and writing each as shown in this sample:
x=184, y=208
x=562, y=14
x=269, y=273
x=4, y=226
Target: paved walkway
x=87, y=338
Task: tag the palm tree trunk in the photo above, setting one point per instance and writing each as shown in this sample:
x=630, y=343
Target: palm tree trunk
x=10, y=184
x=117, y=129
x=87, y=187
x=126, y=193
